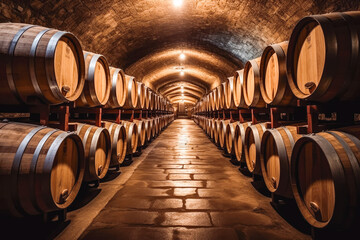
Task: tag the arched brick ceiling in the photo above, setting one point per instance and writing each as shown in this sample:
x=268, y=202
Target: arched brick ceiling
x=145, y=37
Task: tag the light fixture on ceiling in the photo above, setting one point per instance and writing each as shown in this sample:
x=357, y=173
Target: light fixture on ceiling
x=182, y=72
x=182, y=56
x=182, y=90
x=177, y=3
x=182, y=95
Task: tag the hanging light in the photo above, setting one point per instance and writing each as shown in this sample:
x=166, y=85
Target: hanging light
x=177, y=3
x=182, y=56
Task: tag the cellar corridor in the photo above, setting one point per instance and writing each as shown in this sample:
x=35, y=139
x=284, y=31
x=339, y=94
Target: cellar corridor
x=186, y=189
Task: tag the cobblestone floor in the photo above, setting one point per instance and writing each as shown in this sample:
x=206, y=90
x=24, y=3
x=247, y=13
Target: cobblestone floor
x=186, y=189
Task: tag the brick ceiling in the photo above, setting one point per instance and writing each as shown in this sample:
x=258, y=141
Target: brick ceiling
x=146, y=37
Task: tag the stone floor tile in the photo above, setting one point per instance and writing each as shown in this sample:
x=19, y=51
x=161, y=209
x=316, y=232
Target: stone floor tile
x=167, y=203
x=178, y=183
x=184, y=192
x=198, y=219
x=175, y=176
x=247, y=218
x=205, y=234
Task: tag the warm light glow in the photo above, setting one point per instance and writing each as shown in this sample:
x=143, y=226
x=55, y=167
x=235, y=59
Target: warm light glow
x=182, y=95
x=177, y=3
x=182, y=73
x=182, y=90
x=182, y=56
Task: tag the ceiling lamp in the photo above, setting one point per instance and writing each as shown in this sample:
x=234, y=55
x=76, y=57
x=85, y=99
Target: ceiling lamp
x=182, y=72
x=177, y=3
x=182, y=56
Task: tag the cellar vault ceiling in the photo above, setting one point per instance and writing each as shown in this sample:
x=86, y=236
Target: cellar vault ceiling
x=146, y=37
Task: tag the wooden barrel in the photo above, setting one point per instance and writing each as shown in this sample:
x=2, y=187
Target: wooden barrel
x=130, y=92
x=276, y=149
x=39, y=63
x=208, y=126
x=229, y=93
x=141, y=132
x=153, y=129
x=147, y=98
x=118, y=142
x=152, y=101
x=97, y=145
x=211, y=101
x=212, y=128
x=117, y=97
x=251, y=85
x=239, y=141
x=41, y=169
x=141, y=95
x=222, y=132
x=252, y=147
x=274, y=86
x=325, y=177
x=98, y=83
x=216, y=98
x=132, y=136
x=230, y=137
x=239, y=100
x=148, y=129
x=221, y=95
x=323, y=61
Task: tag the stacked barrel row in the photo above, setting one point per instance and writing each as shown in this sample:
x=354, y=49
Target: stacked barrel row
x=43, y=168
x=48, y=65
x=320, y=171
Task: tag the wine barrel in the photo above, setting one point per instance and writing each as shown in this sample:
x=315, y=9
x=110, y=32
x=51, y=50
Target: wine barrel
x=97, y=145
x=153, y=129
x=212, y=128
x=216, y=131
x=98, y=83
x=323, y=61
x=239, y=100
x=208, y=126
x=130, y=92
x=229, y=93
x=39, y=63
x=211, y=101
x=141, y=132
x=41, y=169
x=252, y=147
x=117, y=97
x=239, y=141
x=274, y=86
x=222, y=132
x=148, y=128
x=230, y=137
x=118, y=142
x=221, y=96
x=325, y=177
x=147, y=98
x=141, y=95
x=251, y=85
x=276, y=148
x=132, y=137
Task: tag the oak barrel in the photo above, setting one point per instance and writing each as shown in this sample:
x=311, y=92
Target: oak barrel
x=239, y=141
x=130, y=92
x=229, y=93
x=41, y=169
x=141, y=132
x=239, y=100
x=97, y=145
x=325, y=177
x=97, y=81
x=323, y=61
x=141, y=95
x=222, y=132
x=276, y=149
x=132, y=137
x=39, y=64
x=230, y=138
x=251, y=85
x=252, y=147
x=117, y=97
x=118, y=142
x=274, y=85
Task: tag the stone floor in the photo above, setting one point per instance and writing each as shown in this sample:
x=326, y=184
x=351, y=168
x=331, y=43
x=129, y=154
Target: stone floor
x=184, y=188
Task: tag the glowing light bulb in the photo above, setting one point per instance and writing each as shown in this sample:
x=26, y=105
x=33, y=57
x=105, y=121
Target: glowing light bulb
x=182, y=73
x=182, y=90
x=182, y=95
x=177, y=3
x=182, y=56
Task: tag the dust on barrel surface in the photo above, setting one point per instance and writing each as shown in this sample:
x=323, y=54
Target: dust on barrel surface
x=97, y=145
x=276, y=149
x=98, y=82
x=325, y=175
x=39, y=63
x=323, y=57
x=42, y=169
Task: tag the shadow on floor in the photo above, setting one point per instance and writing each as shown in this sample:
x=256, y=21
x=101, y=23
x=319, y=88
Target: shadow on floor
x=33, y=227
x=111, y=175
x=260, y=186
x=289, y=211
x=85, y=195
